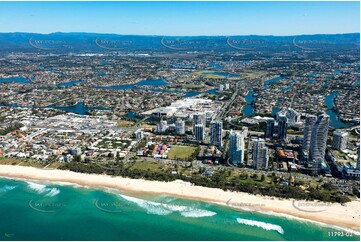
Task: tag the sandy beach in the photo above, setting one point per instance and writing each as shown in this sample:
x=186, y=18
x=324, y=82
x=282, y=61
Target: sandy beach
x=345, y=216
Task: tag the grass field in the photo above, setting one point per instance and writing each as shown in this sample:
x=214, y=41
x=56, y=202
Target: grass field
x=146, y=165
x=21, y=162
x=180, y=152
x=252, y=75
x=243, y=75
x=125, y=123
x=213, y=75
x=145, y=125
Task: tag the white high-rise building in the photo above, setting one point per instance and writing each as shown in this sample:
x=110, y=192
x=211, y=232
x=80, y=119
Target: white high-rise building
x=236, y=147
x=339, y=140
x=244, y=132
x=216, y=133
x=139, y=134
x=258, y=154
x=220, y=88
x=199, y=118
x=199, y=132
x=319, y=139
x=162, y=126
x=307, y=132
x=180, y=127
x=293, y=117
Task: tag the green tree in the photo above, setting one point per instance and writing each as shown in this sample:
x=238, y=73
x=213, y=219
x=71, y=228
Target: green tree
x=263, y=178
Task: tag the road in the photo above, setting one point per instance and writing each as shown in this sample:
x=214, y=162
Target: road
x=225, y=107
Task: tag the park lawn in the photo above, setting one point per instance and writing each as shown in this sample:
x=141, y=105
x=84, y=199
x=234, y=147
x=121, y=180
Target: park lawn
x=146, y=125
x=181, y=152
x=146, y=165
x=212, y=75
x=244, y=75
x=311, y=183
x=268, y=181
x=125, y=123
x=252, y=75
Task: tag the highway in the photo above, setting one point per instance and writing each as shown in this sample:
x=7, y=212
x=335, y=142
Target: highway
x=225, y=107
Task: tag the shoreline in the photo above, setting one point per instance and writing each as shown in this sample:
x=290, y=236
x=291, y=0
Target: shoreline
x=346, y=217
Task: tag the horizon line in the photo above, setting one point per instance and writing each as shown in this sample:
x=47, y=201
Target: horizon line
x=159, y=35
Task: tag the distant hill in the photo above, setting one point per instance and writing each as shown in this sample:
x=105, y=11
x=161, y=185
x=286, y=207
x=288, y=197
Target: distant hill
x=92, y=42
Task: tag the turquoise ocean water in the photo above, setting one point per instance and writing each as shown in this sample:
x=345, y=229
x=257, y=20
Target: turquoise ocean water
x=33, y=210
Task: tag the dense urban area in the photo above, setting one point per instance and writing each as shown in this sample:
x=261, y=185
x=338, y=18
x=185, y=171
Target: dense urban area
x=274, y=121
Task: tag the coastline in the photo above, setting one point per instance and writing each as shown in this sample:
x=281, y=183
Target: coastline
x=343, y=216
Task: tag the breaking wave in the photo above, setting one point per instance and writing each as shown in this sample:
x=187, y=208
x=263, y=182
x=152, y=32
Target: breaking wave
x=266, y=226
x=52, y=192
x=42, y=189
x=7, y=188
x=197, y=213
x=165, y=209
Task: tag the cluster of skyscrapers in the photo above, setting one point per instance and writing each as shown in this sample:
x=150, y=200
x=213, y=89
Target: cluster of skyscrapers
x=280, y=129
x=162, y=126
x=179, y=127
x=257, y=150
x=216, y=130
x=313, y=146
x=285, y=119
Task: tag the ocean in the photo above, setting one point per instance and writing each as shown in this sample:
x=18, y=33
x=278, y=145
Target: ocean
x=34, y=210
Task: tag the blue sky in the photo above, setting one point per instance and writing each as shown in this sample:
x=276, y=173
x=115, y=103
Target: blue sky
x=181, y=18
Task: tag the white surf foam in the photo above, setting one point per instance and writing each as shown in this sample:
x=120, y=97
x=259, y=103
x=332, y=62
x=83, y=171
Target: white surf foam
x=52, y=192
x=165, y=209
x=266, y=226
x=310, y=221
x=7, y=188
x=291, y=217
x=197, y=213
x=42, y=189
